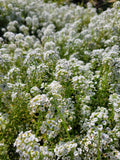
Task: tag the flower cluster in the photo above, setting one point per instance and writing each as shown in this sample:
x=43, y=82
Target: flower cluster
x=64, y=149
x=99, y=137
x=29, y=148
x=115, y=101
x=39, y=102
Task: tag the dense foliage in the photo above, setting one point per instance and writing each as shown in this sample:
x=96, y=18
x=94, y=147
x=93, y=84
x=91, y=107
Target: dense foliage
x=59, y=81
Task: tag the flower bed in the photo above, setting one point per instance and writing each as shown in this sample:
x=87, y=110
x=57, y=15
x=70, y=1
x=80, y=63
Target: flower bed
x=59, y=81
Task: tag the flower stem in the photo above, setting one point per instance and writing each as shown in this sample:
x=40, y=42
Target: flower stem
x=65, y=126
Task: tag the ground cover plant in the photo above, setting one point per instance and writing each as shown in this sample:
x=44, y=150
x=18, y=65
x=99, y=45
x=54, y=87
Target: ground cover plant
x=59, y=81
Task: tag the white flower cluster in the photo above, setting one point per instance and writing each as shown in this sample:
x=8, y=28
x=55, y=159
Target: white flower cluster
x=99, y=116
x=63, y=149
x=83, y=86
x=39, y=102
x=29, y=148
x=115, y=101
x=55, y=87
x=51, y=128
x=99, y=134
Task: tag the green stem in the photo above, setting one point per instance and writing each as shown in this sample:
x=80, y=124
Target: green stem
x=65, y=126
x=38, y=125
